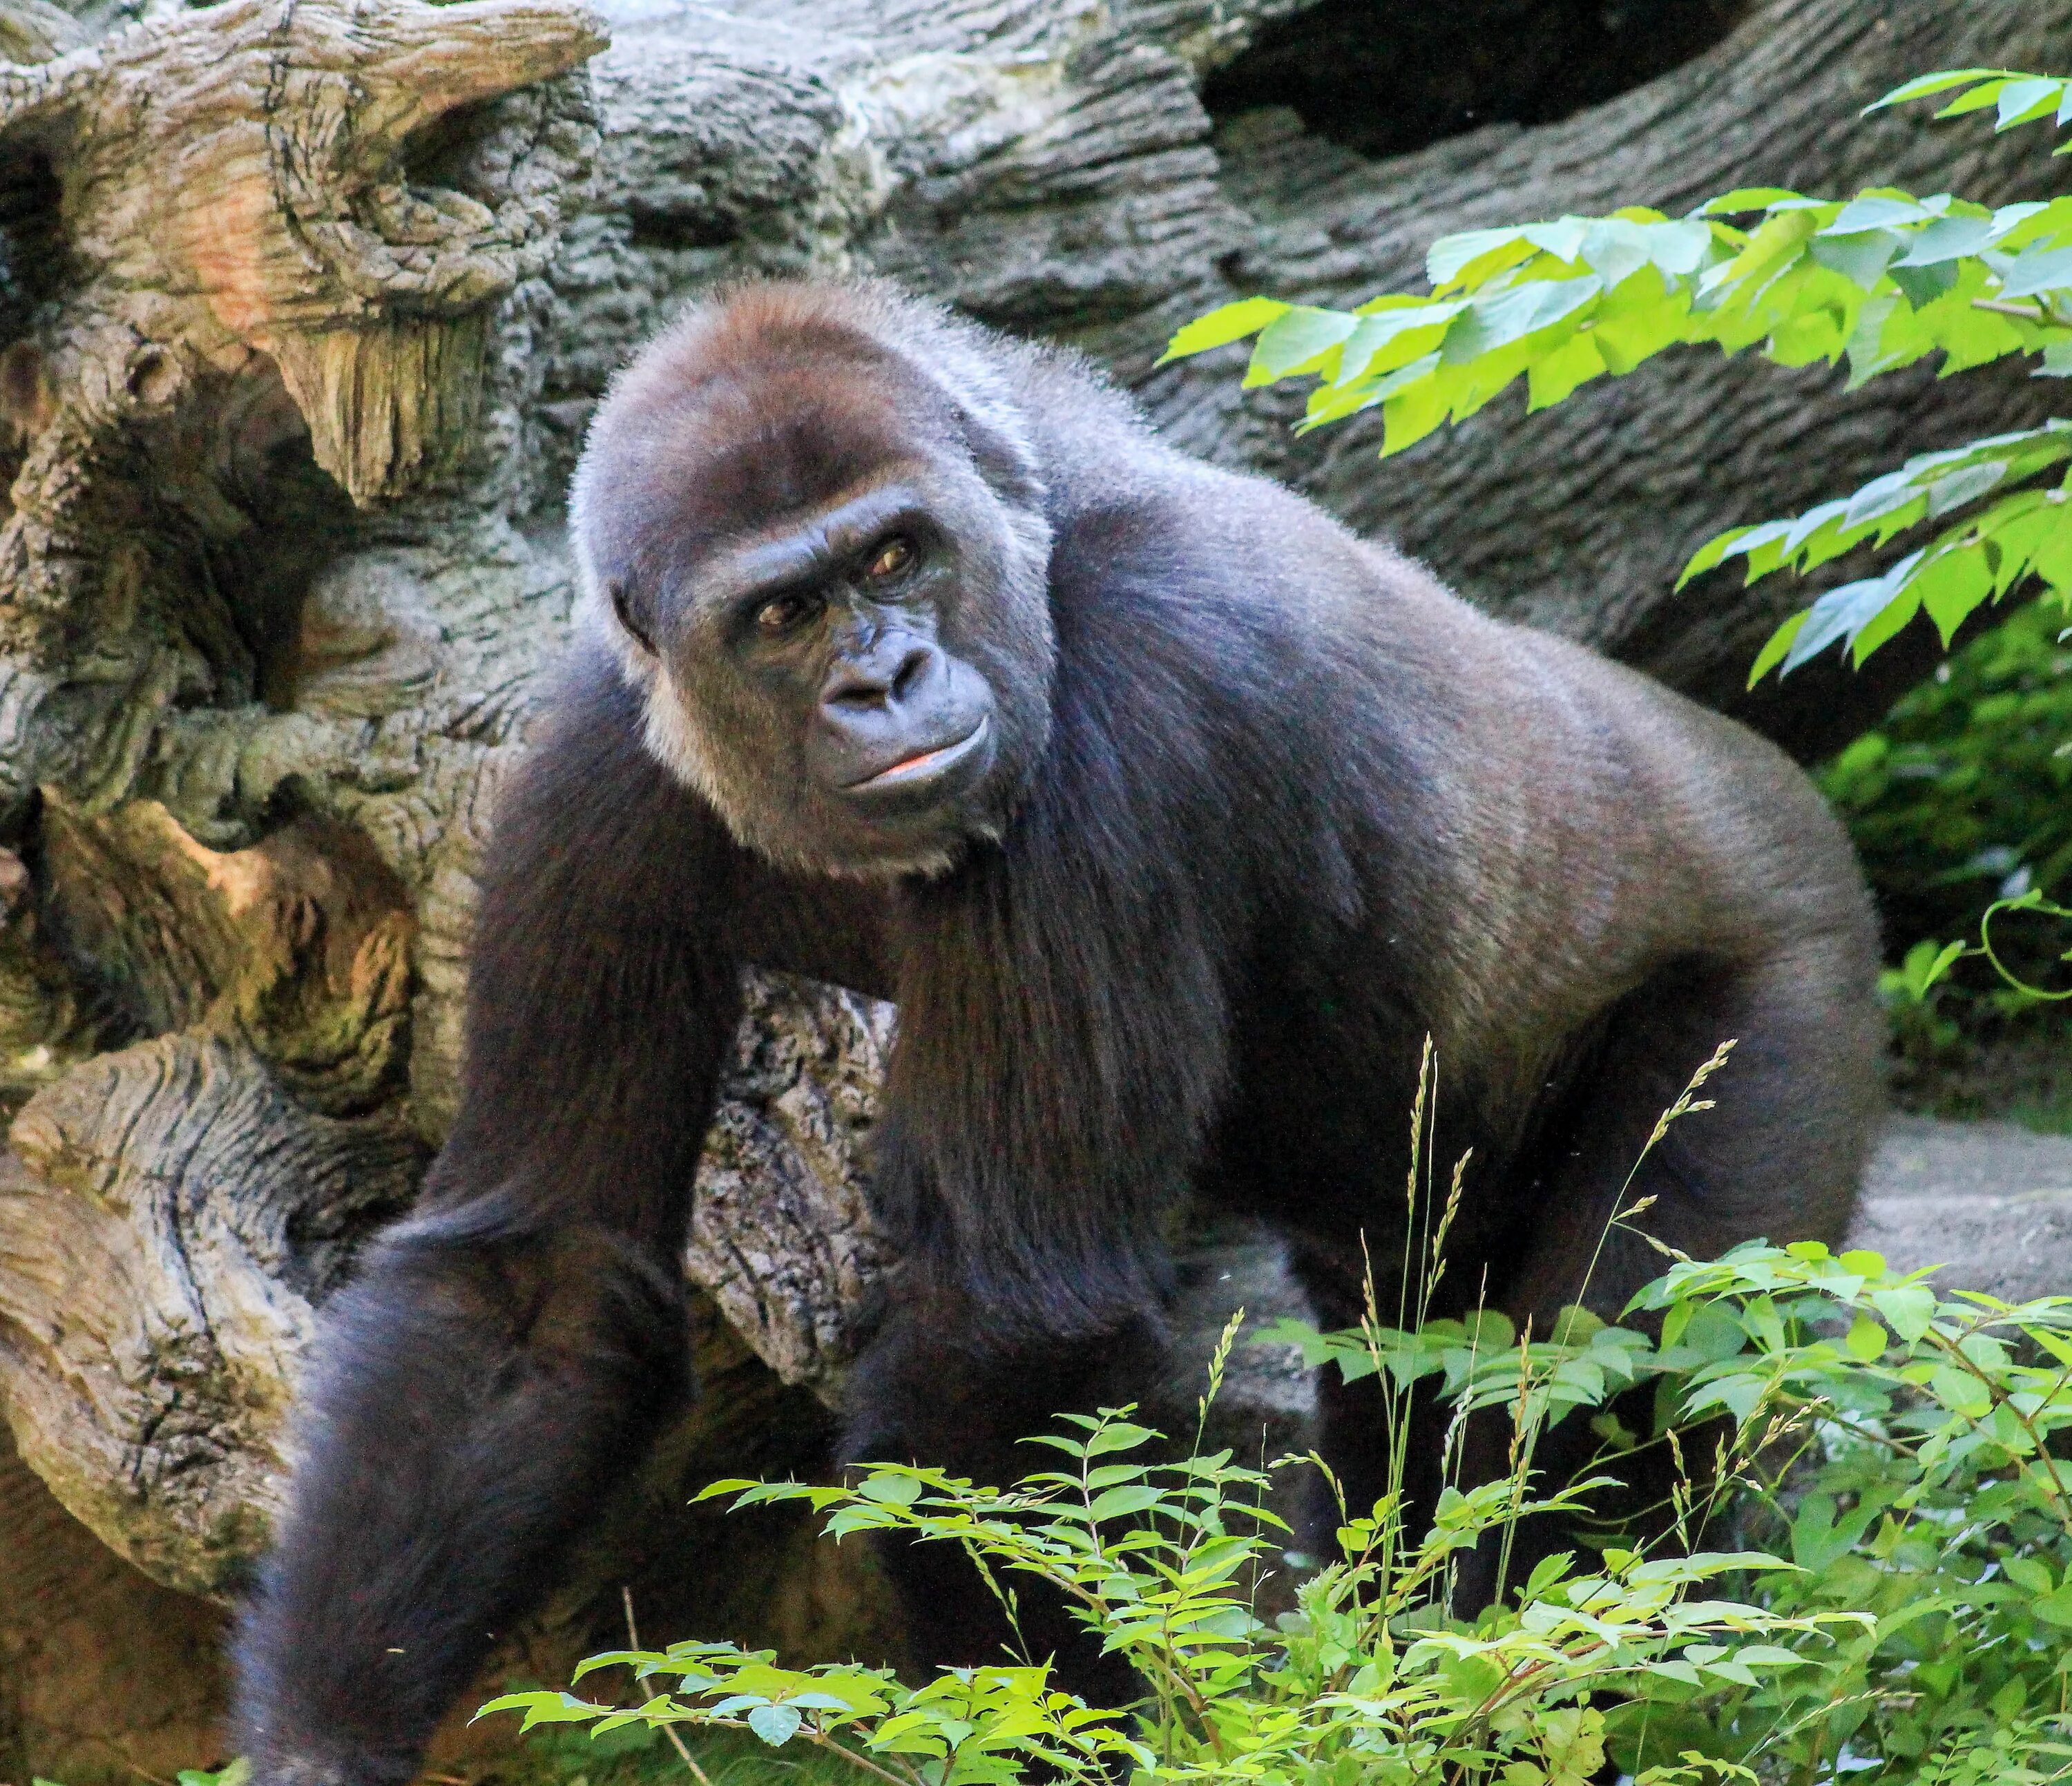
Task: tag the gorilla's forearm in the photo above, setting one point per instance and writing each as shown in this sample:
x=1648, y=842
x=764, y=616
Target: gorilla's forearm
x=508, y=1350
x=485, y=1394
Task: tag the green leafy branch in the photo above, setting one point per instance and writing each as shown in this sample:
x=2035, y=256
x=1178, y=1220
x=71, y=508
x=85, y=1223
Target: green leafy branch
x=2015, y=98
x=1881, y=279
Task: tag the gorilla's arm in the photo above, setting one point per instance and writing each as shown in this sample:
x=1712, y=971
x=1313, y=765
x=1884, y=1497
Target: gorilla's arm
x=507, y=1350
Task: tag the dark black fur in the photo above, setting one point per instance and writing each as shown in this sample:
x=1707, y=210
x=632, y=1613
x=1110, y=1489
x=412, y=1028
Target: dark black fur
x=1268, y=806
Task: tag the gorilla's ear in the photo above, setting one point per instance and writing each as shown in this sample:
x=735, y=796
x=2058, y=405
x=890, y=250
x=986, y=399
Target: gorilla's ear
x=622, y=605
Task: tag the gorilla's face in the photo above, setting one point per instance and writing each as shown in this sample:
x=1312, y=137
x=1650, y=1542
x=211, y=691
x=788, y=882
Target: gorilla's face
x=839, y=618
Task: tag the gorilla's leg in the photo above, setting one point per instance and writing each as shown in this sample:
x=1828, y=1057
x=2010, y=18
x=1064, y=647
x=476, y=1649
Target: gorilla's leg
x=1780, y=1156
x=483, y=1390
x=939, y=1387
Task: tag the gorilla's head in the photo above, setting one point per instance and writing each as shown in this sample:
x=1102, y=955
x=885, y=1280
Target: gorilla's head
x=810, y=518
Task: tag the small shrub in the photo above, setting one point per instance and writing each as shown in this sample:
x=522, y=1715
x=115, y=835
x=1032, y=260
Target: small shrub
x=1896, y=1604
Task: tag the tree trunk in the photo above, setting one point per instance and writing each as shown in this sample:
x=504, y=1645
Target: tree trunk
x=304, y=304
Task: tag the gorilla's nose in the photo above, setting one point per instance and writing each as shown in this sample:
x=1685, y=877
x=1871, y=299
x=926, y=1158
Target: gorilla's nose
x=898, y=726
x=899, y=672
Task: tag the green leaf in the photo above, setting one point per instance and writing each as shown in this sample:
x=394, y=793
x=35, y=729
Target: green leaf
x=546, y=1708
x=1220, y=327
x=1563, y=238
x=891, y=1490
x=1130, y=1498
x=1922, y=85
x=2055, y=1608
x=1922, y=286
x=1842, y=612
x=1451, y=256
x=1744, y=199
x=1818, y=1537
x=1977, y=99
x=1951, y=584
x=1865, y=1340
x=2027, y=1573
x=1297, y=340
x=2021, y=101
x=1960, y=1391
x=1778, y=645
x=1118, y=1435
x=1947, y=238
x=2037, y=270
x=1677, y=250
x=1638, y=320
x=1407, y=419
x=1712, y=552
x=1876, y=211
x=1925, y=964
x=1860, y=257
x=1575, y=362
x=1545, y=1573
x=1497, y=320
x=776, y=1725
x=1908, y=1309
x=1383, y=341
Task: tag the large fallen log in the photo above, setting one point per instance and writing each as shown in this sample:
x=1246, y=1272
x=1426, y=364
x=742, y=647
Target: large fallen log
x=303, y=307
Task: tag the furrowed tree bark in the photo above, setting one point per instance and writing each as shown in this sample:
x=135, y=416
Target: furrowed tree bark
x=304, y=304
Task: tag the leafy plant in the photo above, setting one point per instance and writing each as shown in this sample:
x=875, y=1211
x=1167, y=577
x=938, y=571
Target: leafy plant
x=1916, y=1435
x=1966, y=788
x=1365, y=1681
x=1898, y=1602
x=1959, y=798
x=1898, y=1606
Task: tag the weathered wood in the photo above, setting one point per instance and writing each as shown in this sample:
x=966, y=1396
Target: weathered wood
x=782, y=1238
x=299, y=945
x=168, y=1217
x=303, y=308
x=242, y=173
x=49, y=1019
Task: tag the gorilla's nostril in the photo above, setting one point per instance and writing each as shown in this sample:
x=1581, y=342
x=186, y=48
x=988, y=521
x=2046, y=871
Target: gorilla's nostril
x=856, y=697
x=912, y=670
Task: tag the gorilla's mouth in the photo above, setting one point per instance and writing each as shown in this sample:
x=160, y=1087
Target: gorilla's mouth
x=925, y=768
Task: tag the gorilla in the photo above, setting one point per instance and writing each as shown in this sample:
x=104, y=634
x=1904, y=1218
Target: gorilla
x=1175, y=817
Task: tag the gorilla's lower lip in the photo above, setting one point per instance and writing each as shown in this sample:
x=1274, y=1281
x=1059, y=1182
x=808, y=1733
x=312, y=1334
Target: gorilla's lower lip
x=924, y=766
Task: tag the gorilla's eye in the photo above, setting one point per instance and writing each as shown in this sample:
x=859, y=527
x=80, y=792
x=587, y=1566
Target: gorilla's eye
x=622, y=605
x=893, y=558
x=784, y=612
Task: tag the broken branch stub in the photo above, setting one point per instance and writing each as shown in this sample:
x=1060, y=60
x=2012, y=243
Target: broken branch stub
x=171, y=1216
x=246, y=161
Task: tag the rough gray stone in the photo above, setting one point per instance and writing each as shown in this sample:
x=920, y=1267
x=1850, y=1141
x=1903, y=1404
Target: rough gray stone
x=1988, y=1202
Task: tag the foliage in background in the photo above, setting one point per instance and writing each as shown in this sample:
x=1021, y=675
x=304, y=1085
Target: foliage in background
x=1963, y=796
x=1882, y=279
x=1964, y=793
